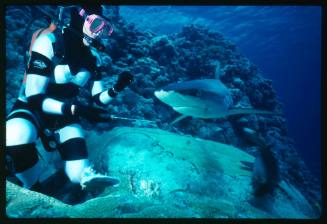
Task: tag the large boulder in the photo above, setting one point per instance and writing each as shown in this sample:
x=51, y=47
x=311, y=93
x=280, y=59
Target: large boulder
x=163, y=174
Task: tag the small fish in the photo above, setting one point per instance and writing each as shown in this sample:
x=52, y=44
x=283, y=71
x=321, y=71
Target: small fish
x=265, y=176
x=265, y=170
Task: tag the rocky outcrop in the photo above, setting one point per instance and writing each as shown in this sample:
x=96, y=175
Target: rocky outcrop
x=165, y=175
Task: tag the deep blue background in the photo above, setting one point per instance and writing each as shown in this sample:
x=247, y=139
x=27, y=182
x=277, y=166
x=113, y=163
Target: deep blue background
x=283, y=41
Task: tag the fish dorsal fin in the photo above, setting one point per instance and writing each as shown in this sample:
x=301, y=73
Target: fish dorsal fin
x=217, y=71
x=178, y=119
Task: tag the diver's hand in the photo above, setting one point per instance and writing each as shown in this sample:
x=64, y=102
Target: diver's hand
x=92, y=114
x=125, y=79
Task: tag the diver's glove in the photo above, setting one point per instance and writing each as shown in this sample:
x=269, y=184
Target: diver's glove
x=92, y=114
x=125, y=79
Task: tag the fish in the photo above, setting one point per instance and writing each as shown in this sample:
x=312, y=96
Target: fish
x=265, y=176
x=202, y=98
x=265, y=169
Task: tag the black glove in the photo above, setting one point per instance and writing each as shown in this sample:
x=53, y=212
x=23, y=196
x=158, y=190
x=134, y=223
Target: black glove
x=91, y=114
x=125, y=78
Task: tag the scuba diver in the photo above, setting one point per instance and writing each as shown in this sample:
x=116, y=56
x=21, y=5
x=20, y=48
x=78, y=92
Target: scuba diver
x=62, y=61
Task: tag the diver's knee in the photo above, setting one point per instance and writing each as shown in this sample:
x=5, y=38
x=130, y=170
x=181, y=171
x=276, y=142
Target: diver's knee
x=72, y=149
x=20, y=131
x=23, y=161
x=75, y=168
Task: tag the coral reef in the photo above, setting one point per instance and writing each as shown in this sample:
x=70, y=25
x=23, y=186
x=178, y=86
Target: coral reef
x=158, y=60
x=166, y=175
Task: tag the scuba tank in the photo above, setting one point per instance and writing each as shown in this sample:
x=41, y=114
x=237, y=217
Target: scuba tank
x=47, y=137
x=50, y=27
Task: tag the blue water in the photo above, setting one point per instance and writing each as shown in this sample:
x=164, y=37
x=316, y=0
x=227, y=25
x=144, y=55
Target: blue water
x=283, y=41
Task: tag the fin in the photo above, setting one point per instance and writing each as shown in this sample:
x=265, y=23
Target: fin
x=217, y=71
x=248, y=165
x=235, y=111
x=99, y=182
x=92, y=181
x=256, y=139
x=178, y=119
x=246, y=168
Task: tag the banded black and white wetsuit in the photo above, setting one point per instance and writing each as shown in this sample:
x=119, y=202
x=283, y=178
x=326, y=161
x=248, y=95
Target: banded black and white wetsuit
x=47, y=100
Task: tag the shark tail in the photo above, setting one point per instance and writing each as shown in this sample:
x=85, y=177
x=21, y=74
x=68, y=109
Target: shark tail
x=251, y=111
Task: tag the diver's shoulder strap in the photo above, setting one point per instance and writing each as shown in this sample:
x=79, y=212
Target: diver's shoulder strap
x=59, y=46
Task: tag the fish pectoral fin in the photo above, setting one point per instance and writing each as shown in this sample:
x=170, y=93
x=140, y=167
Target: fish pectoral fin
x=245, y=165
x=246, y=168
x=178, y=119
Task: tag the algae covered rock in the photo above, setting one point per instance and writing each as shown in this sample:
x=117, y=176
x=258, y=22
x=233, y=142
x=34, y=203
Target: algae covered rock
x=29, y=204
x=166, y=175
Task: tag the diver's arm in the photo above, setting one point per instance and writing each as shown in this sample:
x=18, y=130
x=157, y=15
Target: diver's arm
x=38, y=76
x=100, y=95
x=103, y=97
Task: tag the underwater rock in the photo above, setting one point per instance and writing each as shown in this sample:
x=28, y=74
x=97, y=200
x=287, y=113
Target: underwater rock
x=261, y=93
x=163, y=50
x=146, y=66
x=21, y=202
x=163, y=174
x=156, y=61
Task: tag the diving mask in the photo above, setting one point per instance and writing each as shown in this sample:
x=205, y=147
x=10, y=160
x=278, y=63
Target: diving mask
x=99, y=27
